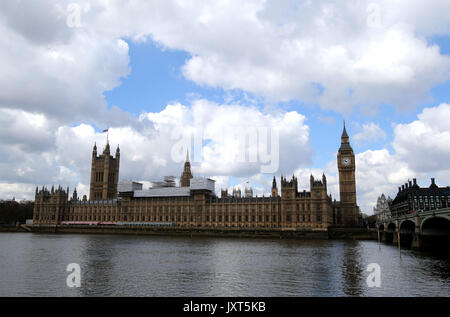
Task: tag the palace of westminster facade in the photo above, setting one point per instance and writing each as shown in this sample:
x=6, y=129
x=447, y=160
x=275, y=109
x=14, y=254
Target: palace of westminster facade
x=195, y=204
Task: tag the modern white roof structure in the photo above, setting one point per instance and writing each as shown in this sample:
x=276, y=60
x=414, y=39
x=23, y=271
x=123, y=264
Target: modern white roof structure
x=128, y=186
x=202, y=183
x=163, y=192
x=197, y=183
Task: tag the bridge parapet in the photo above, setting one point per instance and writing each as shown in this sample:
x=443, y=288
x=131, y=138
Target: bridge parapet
x=418, y=218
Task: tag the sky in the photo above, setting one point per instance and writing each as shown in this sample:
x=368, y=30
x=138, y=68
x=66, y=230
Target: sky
x=253, y=89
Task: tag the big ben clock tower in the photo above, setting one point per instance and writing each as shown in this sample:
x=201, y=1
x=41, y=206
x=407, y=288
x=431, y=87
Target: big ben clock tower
x=347, y=184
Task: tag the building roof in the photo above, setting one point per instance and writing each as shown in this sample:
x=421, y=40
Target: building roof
x=163, y=192
x=197, y=183
x=414, y=189
x=345, y=146
x=344, y=132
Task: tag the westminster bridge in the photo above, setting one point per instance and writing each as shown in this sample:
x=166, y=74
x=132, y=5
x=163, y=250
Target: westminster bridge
x=419, y=229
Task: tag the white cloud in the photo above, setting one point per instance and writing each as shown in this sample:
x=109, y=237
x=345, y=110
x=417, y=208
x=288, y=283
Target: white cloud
x=16, y=190
x=221, y=127
x=285, y=50
x=28, y=131
x=147, y=146
x=424, y=143
x=428, y=18
x=378, y=172
x=55, y=70
x=315, y=51
x=369, y=132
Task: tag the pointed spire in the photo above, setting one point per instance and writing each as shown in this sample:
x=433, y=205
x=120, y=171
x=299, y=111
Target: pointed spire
x=344, y=133
x=117, y=152
x=274, y=183
x=75, y=194
x=186, y=176
x=344, y=137
x=107, y=148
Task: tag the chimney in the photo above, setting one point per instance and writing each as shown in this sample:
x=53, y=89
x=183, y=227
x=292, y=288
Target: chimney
x=399, y=189
x=410, y=184
x=403, y=187
x=415, y=182
x=432, y=181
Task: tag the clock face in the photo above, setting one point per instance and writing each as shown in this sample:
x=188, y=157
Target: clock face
x=346, y=161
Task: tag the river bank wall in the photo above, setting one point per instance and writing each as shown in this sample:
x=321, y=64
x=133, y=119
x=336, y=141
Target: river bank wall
x=11, y=228
x=331, y=233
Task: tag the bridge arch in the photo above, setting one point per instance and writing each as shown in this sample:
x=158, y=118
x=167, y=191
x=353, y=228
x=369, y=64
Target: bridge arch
x=390, y=232
x=380, y=229
x=391, y=227
x=435, y=234
x=407, y=226
x=435, y=226
x=407, y=229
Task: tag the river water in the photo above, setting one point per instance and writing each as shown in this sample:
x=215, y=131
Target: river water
x=120, y=265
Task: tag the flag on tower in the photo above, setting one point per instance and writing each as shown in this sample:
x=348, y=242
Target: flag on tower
x=105, y=130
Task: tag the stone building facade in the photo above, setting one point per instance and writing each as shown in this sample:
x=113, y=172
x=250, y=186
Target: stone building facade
x=381, y=210
x=348, y=209
x=186, y=176
x=412, y=198
x=104, y=174
x=195, y=204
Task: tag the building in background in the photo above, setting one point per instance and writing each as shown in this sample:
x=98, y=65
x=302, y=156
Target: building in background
x=348, y=210
x=104, y=174
x=186, y=176
x=382, y=209
x=195, y=204
x=411, y=198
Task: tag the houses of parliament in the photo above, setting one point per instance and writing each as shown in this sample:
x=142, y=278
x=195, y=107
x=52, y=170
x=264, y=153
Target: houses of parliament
x=194, y=202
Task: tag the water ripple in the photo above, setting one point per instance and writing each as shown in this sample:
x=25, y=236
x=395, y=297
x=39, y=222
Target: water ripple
x=112, y=265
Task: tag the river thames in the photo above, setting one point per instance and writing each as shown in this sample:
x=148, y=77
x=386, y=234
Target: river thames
x=120, y=265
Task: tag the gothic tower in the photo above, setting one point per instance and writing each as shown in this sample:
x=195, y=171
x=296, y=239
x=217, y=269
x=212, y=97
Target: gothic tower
x=104, y=174
x=274, y=188
x=185, y=180
x=347, y=184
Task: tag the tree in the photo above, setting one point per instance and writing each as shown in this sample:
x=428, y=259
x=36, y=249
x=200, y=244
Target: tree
x=12, y=211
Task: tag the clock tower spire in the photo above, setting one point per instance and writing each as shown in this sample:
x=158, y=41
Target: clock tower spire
x=344, y=136
x=347, y=185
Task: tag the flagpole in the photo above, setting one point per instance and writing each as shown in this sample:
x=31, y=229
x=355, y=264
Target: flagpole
x=107, y=135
